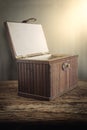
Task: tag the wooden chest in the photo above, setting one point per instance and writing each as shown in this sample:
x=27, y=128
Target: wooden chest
x=41, y=75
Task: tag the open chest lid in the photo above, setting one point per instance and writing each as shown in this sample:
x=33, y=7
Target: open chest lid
x=26, y=39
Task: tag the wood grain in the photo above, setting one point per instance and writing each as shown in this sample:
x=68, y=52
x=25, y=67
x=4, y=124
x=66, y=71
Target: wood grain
x=69, y=107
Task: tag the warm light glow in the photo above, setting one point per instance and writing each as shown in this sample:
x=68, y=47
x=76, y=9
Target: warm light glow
x=71, y=29
x=84, y=9
x=73, y=20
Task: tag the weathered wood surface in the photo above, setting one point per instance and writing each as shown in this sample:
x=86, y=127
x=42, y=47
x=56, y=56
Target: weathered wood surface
x=69, y=107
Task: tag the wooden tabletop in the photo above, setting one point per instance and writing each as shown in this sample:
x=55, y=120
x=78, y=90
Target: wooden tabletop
x=70, y=107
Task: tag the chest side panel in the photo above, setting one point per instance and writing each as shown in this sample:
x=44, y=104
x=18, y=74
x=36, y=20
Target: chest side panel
x=34, y=78
x=73, y=71
x=64, y=75
x=54, y=79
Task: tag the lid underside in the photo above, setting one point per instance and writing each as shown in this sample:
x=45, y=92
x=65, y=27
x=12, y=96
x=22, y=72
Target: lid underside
x=27, y=39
